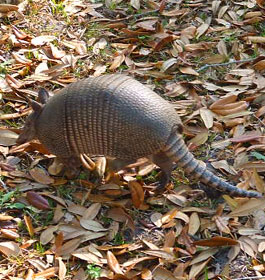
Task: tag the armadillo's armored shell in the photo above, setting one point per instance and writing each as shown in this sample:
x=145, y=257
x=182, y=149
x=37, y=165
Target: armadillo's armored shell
x=112, y=115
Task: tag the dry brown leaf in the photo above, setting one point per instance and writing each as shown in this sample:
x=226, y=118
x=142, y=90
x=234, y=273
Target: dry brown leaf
x=221, y=102
x=70, y=246
x=41, y=40
x=161, y=273
x=118, y=60
x=10, y=248
x=135, y=4
x=199, y=139
x=30, y=274
x=169, y=216
x=197, y=268
x=29, y=225
x=137, y=194
x=41, y=176
x=188, y=70
x=248, y=231
x=242, y=72
x=170, y=239
x=47, y=273
x=176, y=199
x=258, y=182
x=202, y=29
x=260, y=66
x=223, y=165
x=231, y=108
x=7, y=137
x=146, y=274
x=135, y=261
x=194, y=223
x=80, y=275
x=261, y=247
x=175, y=12
x=58, y=54
x=248, y=208
x=163, y=42
x=221, y=46
x=119, y=215
x=246, y=138
x=9, y=234
x=37, y=201
x=100, y=45
x=156, y=219
x=255, y=39
x=222, y=224
x=216, y=58
x=150, y=245
x=5, y=8
x=113, y=263
x=248, y=246
x=89, y=254
x=47, y=235
x=92, y=211
x=207, y=117
x=233, y=252
x=204, y=255
x=161, y=254
x=91, y=225
x=216, y=241
x=62, y=269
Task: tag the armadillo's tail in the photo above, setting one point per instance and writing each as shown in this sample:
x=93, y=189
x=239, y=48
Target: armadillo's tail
x=177, y=150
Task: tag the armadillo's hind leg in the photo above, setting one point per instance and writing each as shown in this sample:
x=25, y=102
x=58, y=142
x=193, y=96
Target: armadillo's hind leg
x=166, y=165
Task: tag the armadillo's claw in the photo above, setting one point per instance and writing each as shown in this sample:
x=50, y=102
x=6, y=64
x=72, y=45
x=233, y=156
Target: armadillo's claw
x=87, y=162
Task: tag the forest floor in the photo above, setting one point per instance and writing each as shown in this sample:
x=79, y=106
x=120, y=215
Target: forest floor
x=205, y=57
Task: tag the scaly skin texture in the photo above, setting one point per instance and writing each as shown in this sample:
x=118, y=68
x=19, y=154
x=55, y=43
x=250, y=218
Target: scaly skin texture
x=116, y=116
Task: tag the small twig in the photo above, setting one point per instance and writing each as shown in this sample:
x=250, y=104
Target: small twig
x=249, y=278
x=125, y=18
x=141, y=15
x=224, y=64
x=3, y=184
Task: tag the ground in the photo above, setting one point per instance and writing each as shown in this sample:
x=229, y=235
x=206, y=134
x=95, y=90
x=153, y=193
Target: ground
x=205, y=57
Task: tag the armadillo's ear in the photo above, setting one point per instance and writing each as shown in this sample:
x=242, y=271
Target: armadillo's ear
x=36, y=106
x=43, y=96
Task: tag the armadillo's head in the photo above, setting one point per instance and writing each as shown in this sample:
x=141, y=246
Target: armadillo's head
x=29, y=130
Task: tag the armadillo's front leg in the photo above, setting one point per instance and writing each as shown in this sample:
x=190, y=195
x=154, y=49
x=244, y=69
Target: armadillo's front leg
x=166, y=165
x=72, y=165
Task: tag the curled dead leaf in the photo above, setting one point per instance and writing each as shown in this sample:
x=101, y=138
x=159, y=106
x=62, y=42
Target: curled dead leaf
x=10, y=248
x=37, y=200
x=113, y=263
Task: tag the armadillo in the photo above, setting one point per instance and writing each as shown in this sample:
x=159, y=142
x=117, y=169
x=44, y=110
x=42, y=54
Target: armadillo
x=118, y=117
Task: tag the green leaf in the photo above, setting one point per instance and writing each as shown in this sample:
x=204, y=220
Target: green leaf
x=6, y=197
x=258, y=156
x=17, y=205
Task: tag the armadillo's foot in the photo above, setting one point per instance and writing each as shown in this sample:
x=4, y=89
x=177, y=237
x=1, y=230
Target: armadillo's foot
x=72, y=165
x=166, y=165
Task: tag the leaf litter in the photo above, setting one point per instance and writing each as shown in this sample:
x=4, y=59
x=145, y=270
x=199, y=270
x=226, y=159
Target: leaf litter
x=207, y=58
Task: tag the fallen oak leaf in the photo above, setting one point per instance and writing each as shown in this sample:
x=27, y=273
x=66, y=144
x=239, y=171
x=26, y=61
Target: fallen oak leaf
x=216, y=241
x=40, y=176
x=113, y=263
x=246, y=138
x=10, y=248
x=37, y=200
x=248, y=208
